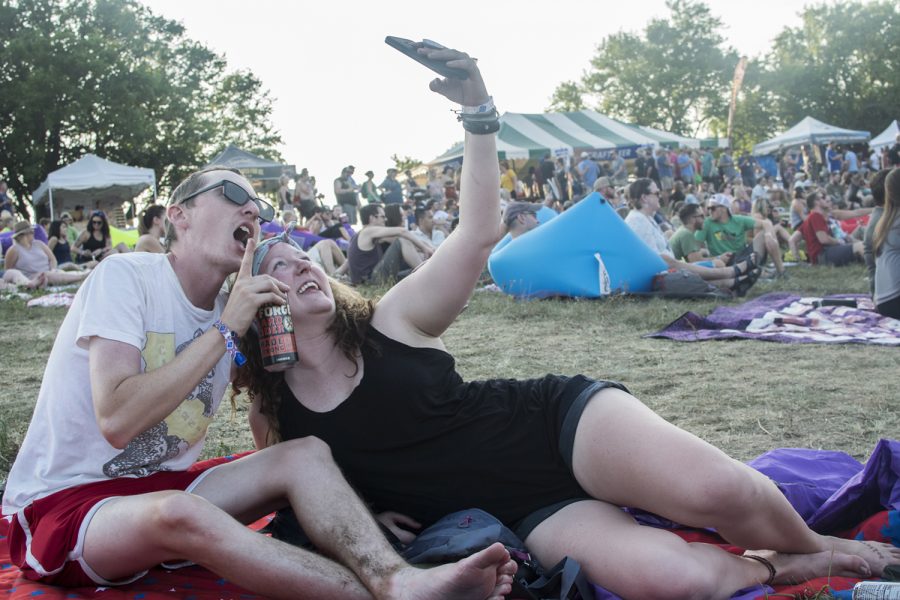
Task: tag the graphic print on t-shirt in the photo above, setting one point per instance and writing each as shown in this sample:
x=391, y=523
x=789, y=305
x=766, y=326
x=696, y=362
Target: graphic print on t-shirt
x=185, y=426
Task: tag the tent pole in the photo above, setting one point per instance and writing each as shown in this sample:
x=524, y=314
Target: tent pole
x=50, y=192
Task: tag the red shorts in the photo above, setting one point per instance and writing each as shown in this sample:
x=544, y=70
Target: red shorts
x=46, y=538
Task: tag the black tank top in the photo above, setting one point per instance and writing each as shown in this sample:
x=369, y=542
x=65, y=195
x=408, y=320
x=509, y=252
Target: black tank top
x=414, y=438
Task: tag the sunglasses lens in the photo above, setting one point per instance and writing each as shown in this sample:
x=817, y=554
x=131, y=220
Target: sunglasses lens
x=266, y=210
x=235, y=193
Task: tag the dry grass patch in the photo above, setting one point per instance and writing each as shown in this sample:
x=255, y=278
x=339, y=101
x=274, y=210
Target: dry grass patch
x=744, y=396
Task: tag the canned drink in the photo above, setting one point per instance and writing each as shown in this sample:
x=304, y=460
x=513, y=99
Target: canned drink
x=876, y=590
x=277, y=344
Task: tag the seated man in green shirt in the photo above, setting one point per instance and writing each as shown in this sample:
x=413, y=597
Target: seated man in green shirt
x=686, y=247
x=723, y=232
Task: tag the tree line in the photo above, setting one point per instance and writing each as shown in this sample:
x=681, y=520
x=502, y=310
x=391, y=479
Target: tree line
x=112, y=78
x=841, y=65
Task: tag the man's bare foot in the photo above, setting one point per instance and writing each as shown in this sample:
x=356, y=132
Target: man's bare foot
x=487, y=574
x=877, y=555
x=797, y=568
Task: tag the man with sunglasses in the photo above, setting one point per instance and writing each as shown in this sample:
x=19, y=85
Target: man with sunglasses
x=101, y=489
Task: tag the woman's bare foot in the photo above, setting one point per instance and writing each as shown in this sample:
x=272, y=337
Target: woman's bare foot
x=484, y=575
x=877, y=555
x=38, y=281
x=797, y=568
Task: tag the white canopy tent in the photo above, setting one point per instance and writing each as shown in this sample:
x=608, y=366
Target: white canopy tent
x=886, y=138
x=809, y=131
x=93, y=182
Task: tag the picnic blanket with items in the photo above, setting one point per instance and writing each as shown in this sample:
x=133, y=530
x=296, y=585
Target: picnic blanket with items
x=792, y=319
x=832, y=491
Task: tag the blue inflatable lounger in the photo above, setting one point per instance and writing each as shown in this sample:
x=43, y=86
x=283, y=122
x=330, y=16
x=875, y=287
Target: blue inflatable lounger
x=586, y=252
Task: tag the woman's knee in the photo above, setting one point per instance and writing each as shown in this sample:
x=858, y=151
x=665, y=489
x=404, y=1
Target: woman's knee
x=728, y=490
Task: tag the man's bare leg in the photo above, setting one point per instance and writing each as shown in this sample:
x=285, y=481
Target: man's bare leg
x=201, y=527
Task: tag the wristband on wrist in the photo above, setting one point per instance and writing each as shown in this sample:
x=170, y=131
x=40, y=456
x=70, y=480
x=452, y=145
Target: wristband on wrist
x=480, y=120
x=481, y=108
x=230, y=343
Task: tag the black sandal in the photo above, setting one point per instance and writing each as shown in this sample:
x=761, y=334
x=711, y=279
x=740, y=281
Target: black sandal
x=767, y=564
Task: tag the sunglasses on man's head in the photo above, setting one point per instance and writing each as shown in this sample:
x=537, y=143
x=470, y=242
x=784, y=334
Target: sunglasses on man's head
x=238, y=195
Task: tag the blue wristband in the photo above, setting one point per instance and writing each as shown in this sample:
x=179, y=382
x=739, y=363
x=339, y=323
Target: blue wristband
x=230, y=343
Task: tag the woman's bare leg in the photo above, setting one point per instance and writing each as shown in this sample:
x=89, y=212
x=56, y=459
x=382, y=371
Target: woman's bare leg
x=649, y=563
x=627, y=455
x=64, y=278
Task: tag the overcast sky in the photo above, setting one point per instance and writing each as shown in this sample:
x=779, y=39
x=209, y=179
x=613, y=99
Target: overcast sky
x=342, y=96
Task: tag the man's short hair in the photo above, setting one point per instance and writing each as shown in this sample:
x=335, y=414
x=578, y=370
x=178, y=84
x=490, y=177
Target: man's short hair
x=811, y=200
x=687, y=212
x=421, y=209
x=188, y=186
x=368, y=211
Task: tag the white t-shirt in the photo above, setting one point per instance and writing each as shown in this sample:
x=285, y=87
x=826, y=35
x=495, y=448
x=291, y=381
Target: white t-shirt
x=649, y=232
x=136, y=299
x=437, y=236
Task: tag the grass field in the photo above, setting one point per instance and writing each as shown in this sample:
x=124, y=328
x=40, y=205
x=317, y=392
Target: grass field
x=744, y=396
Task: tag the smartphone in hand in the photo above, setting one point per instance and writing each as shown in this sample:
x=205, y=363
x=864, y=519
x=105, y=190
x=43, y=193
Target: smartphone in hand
x=410, y=48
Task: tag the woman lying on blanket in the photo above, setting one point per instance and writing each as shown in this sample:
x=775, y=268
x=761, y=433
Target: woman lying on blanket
x=554, y=458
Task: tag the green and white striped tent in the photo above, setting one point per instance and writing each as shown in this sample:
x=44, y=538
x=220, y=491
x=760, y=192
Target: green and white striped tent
x=525, y=136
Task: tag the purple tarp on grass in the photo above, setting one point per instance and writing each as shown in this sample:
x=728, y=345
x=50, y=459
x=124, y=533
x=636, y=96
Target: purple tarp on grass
x=789, y=318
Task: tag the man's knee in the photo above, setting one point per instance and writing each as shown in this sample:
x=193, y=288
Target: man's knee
x=302, y=452
x=177, y=516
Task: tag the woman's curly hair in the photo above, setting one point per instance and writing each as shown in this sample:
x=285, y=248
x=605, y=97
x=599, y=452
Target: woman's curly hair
x=353, y=313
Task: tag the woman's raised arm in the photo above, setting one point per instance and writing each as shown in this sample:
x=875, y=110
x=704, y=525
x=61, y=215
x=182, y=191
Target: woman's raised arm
x=424, y=304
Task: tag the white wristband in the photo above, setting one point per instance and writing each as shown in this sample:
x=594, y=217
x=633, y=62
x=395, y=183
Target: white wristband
x=482, y=108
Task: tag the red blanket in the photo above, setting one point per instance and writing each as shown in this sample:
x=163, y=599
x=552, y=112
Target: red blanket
x=196, y=583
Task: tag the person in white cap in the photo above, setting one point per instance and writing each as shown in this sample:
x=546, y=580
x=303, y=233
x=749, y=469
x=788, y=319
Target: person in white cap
x=724, y=232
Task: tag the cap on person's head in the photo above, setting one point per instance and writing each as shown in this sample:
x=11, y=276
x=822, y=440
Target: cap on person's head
x=21, y=228
x=5, y=215
x=418, y=196
x=514, y=209
x=370, y=174
x=65, y=216
x=351, y=168
x=392, y=170
x=584, y=155
x=719, y=200
x=602, y=182
x=691, y=199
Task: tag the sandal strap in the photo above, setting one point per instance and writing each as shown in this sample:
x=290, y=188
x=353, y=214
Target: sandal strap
x=768, y=565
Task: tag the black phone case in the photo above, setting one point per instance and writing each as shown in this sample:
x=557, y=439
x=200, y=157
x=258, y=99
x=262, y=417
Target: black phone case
x=409, y=48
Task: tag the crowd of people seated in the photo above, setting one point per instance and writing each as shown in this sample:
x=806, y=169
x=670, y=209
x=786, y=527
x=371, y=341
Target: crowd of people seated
x=718, y=215
x=702, y=212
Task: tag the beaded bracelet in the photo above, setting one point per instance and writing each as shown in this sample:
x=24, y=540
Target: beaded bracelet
x=230, y=343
